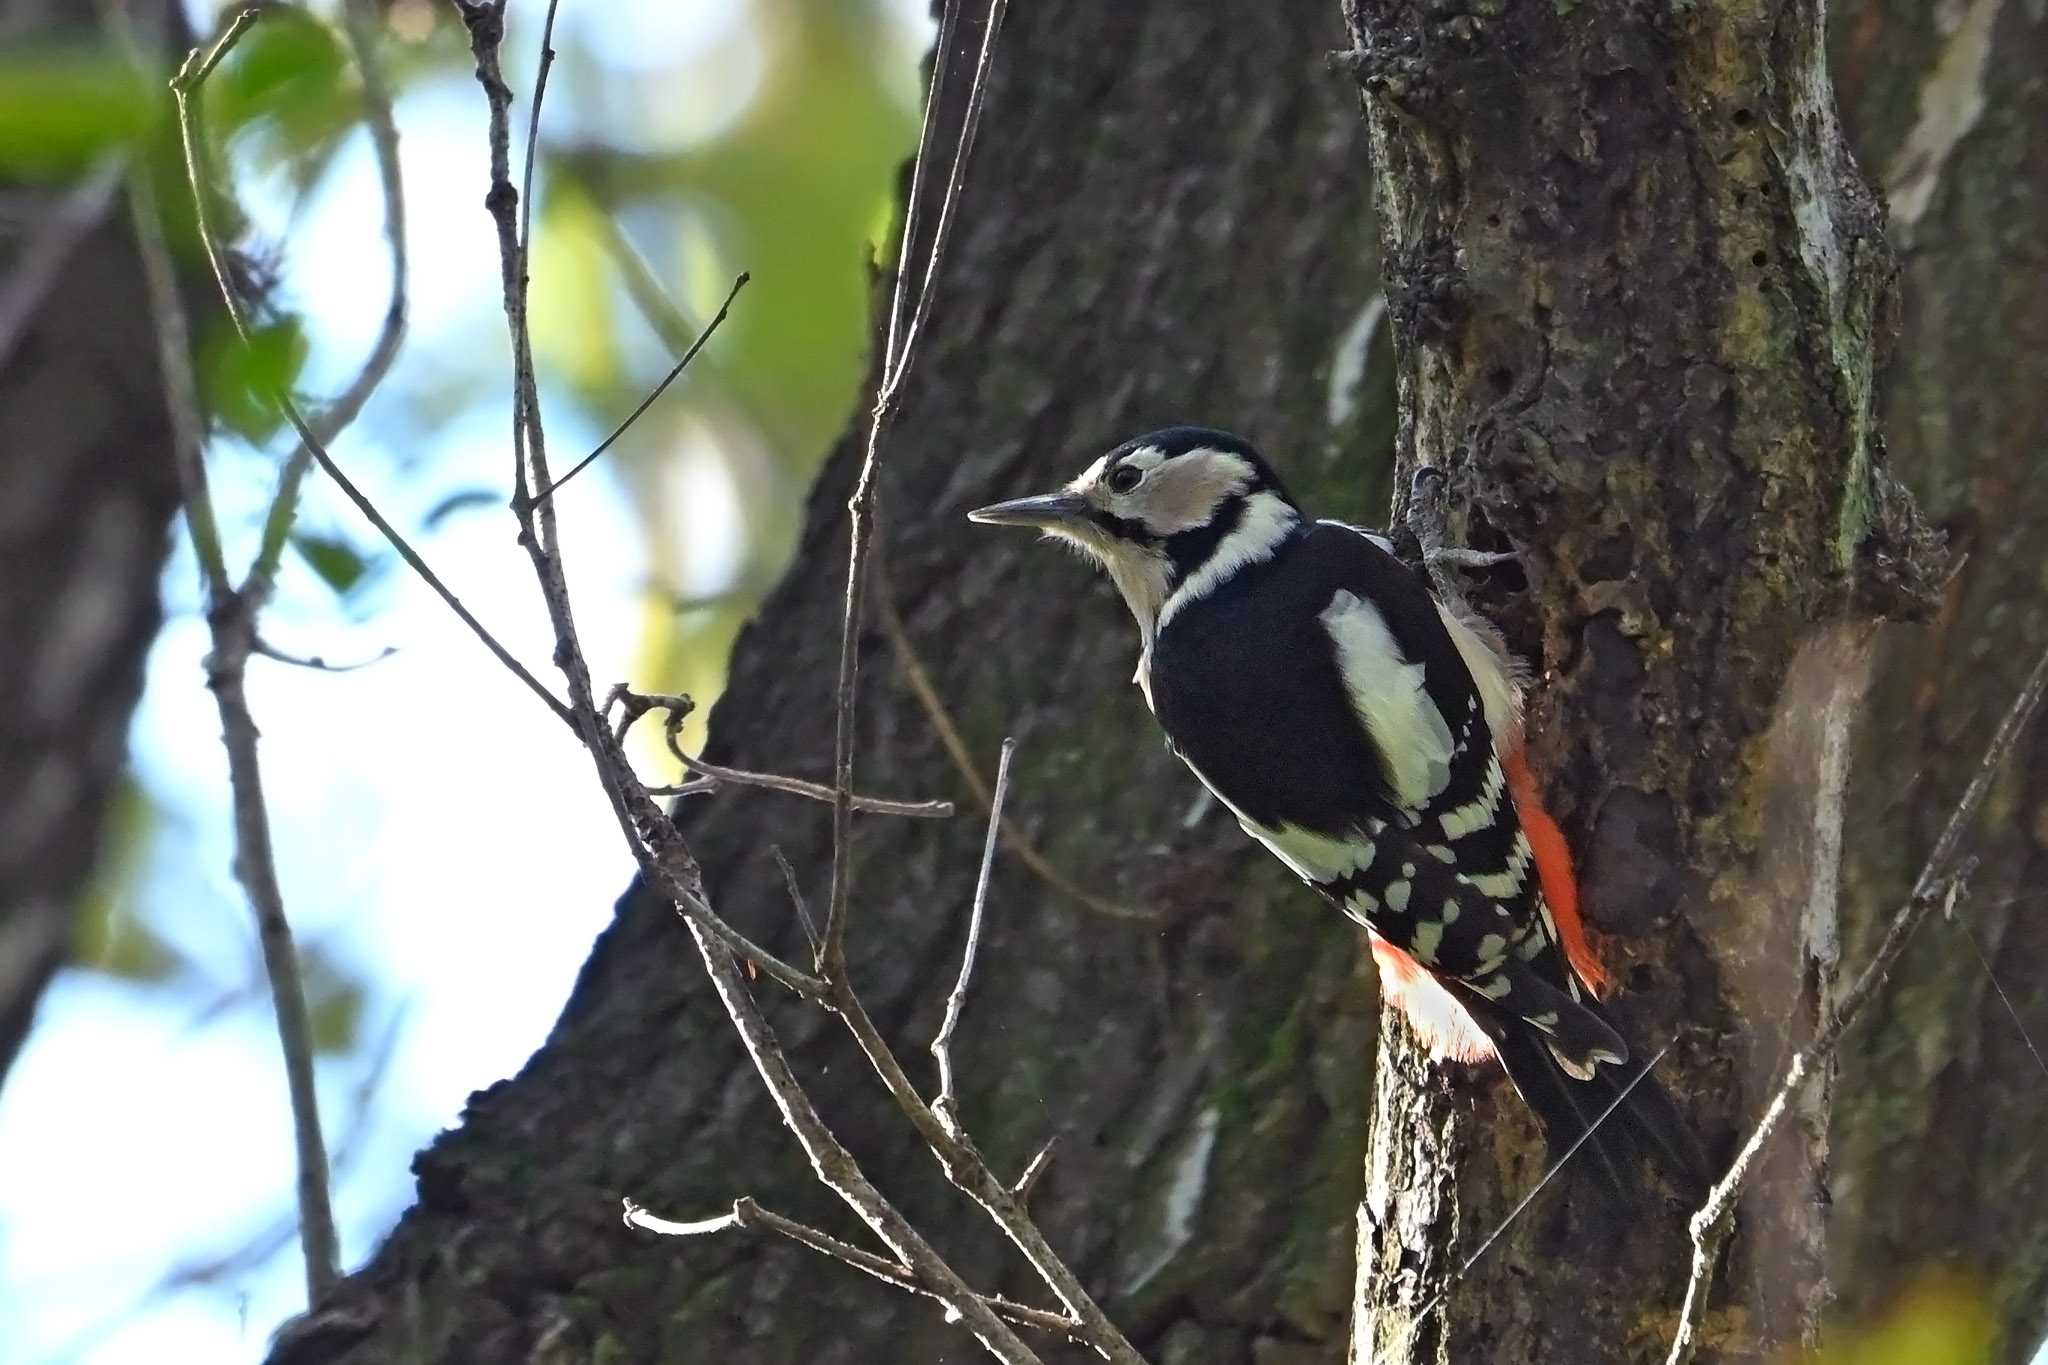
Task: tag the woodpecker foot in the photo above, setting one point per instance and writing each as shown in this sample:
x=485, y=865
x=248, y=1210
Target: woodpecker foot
x=1459, y=558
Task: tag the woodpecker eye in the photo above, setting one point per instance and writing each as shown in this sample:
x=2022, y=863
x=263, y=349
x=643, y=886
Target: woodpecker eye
x=1124, y=478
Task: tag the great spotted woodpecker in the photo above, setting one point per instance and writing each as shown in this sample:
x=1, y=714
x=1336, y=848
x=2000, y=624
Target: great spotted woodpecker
x=1369, y=737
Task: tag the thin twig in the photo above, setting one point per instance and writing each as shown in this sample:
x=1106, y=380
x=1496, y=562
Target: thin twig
x=969, y=1172
x=675, y=372
x=945, y=1106
x=633, y=705
x=942, y=45
x=927, y=693
x=231, y=620
x=796, y=895
x=359, y=23
x=838, y=1169
x=970, y=124
x=181, y=384
x=668, y=864
x=540, y=90
x=750, y=1215
x=314, y=661
x=817, y=791
x=2012, y=1011
x=185, y=86
x=1940, y=883
x=895, y=364
x=1034, y=1171
x=1521, y=1205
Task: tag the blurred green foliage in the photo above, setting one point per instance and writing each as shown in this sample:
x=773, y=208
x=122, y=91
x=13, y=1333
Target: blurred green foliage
x=62, y=108
x=339, y=564
x=799, y=190
x=238, y=381
x=1942, y=1319
x=110, y=934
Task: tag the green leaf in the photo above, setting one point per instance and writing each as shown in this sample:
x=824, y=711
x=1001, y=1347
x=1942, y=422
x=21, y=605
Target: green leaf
x=287, y=69
x=340, y=566
x=108, y=935
x=242, y=381
x=334, y=1001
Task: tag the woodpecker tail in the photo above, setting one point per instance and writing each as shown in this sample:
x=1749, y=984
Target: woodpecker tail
x=1644, y=1122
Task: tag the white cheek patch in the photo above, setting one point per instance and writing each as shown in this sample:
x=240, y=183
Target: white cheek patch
x=1184, y=493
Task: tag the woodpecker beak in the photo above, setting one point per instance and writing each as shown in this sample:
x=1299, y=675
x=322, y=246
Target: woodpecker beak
x=1045, y=512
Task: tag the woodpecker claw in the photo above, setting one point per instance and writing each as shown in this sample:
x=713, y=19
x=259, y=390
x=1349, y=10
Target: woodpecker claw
x=1471, y=559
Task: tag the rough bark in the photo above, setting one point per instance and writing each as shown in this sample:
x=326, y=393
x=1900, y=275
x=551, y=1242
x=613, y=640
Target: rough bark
x=86, y=497
x=1639, y=292
x=1167, y=220
x=1938, y=1116
x=1671, y=389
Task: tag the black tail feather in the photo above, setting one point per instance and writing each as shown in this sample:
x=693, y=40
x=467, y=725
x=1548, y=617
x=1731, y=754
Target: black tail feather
x=1646, y=1123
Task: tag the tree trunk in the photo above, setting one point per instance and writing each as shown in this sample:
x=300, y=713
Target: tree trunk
x=1639, y=294
x=1938, y=1116
x=1167, y=219
x=87, y=491
x=1654, y=303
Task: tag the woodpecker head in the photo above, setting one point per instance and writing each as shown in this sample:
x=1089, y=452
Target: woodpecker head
x=1162, y=508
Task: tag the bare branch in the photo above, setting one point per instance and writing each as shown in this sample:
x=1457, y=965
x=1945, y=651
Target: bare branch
x=748, y=1214
x=638, y=1217
x=314, y=661
x=667, y=862
x=970, y=123
x=796, y=896
x=895, y=364
x=1034, y=1171
x=818, y=791
x=838, y=1169
x=945, y=1106
x=540, y=91
x=184, y=87
x=633, y=705
x=675, y=372
x=231, y=620
x=1940, y=883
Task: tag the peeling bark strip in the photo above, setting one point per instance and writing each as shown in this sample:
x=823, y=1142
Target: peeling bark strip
x=1636, y=284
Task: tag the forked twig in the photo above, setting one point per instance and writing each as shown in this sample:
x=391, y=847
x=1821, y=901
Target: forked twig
x=946, y=1105
x=185, y=85
x=1939, y=884
x=231, y=611
x=895, y=365
x=815, y=791
x=748, y=1214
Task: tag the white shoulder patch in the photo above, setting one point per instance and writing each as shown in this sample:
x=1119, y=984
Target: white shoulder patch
x=1388, y=694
